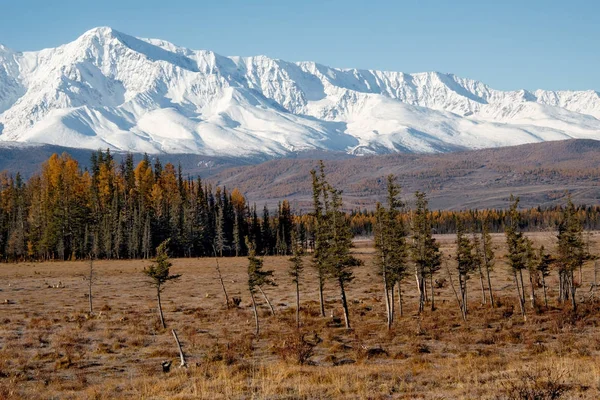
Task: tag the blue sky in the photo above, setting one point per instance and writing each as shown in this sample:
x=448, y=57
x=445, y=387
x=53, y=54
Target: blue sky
x=508, y=44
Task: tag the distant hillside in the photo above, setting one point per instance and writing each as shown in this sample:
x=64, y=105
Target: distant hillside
x=539, y=173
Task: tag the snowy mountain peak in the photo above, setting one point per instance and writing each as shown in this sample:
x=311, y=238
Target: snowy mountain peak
x=110, y=89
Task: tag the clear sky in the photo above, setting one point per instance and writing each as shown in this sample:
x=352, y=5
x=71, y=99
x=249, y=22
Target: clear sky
x=508, y=44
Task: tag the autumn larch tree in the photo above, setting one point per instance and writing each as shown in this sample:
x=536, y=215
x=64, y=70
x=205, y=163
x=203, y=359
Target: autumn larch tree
x=159, y=274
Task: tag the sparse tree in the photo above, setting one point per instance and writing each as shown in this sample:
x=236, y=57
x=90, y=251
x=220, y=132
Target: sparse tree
x=295, y=271
x=571, y=252
x=159, y=274
x=257, y=277
x=425, y=250
x=517, y=250
x=340, y=262
x=544, y=260
x=466, y=263
x=488, y=257
x=390, y=243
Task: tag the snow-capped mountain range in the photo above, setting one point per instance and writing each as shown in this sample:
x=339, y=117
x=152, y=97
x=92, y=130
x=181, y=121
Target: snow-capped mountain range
x=111, y=90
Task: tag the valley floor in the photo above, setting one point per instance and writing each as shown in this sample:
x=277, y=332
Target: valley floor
x=51, y=348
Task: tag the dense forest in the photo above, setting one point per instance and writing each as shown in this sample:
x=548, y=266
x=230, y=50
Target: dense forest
x=121, y=210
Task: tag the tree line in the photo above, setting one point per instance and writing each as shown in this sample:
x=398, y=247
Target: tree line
x=126, y=211
x=121, y=211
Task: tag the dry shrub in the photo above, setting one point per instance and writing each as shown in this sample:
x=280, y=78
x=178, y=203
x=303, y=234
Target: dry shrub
x=296, y=348
x=536, y=384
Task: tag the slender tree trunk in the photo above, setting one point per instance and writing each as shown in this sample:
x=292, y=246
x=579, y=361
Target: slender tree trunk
x=392, y=303
x=490, y=287
x=160, y=311
x=401, y=309
x=267, y=300
x=321, y=300
x=181, y=355
x=521, y=301
x=460, y=305
x=522, y=287
x=388, y=307
x=483, y=296
x=531, y=283
x=545, y=295
x=344, y=304
x=297, y=304
x=221, y=281
x=573, y=289
x=257, y=330
x=90, y=281
x=432, y=292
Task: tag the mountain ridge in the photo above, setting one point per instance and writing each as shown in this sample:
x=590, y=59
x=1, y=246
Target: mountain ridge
x=108, y=89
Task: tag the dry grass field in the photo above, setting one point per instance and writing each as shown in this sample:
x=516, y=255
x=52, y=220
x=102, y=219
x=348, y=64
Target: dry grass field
x=51, y=348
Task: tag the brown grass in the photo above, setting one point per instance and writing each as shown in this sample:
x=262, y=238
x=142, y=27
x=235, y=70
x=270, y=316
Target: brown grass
x=51, y=348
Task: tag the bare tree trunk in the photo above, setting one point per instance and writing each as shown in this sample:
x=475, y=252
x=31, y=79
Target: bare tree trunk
x=392, y=303
x=532, y=290
x=522, y=287
x=483, y=296
x=490, y=287
x=257, y=331
x=573, y=289
x=521, y=301
x=181, y=355
x=90, y=282
x=432, y=292
x=321, y=300
x=388, y=307
x=460, y=306
x=545, y=295
x=160, y=311
x=401, y=309
x=297, y=304
x=267, y=300
x=344, y=304
x=227, y=304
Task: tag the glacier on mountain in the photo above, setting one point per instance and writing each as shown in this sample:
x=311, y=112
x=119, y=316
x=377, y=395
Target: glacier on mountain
x=111, y=90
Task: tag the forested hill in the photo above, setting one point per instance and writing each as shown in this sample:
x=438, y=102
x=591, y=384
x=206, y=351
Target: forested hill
x=540, y=174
